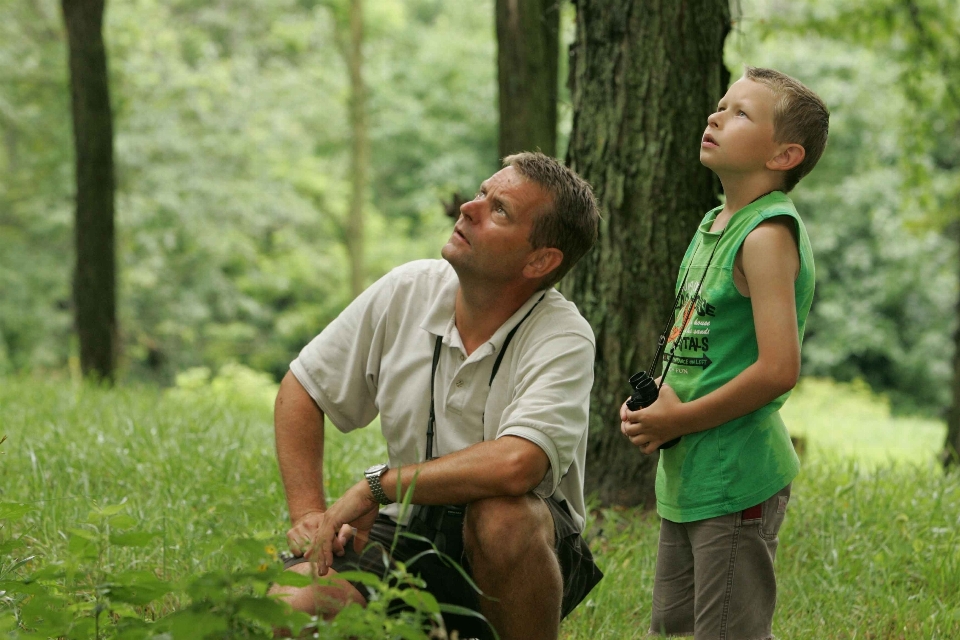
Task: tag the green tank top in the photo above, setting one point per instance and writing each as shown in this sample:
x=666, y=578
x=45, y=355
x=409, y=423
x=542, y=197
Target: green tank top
x=745, y=461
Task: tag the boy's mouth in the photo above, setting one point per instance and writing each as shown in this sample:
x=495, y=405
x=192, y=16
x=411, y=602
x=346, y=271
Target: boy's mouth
x=708, y=141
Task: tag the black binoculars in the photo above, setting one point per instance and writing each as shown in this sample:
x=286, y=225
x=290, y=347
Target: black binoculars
x=645, y=393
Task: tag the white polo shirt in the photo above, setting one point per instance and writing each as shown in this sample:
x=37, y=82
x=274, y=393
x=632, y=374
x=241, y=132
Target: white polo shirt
x=376, y=357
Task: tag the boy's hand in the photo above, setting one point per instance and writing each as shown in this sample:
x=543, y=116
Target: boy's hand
x=649, y=428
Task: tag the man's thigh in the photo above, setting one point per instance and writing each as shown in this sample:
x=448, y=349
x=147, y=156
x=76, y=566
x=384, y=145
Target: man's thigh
x=325, y=598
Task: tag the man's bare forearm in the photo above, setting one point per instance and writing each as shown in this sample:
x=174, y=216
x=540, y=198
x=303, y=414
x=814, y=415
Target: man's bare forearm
x=298, y=428
x=508, y=466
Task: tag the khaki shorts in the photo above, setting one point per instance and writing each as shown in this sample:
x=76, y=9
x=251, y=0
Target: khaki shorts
x=715, y=577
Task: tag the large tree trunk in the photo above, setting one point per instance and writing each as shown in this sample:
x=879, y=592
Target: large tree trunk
x=94, y=285
x=527, y=50
x=644, y=75
x=359, y=150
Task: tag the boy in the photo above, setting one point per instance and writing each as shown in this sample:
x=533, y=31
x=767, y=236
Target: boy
x=745, y=287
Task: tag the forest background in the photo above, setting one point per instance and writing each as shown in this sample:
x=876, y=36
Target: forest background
x=232, y=140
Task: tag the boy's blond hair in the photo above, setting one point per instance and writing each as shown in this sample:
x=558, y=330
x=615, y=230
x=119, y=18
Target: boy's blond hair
x=799, y=117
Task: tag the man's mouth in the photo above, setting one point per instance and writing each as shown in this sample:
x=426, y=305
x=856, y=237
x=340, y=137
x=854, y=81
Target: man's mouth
x=708, y=141
x=457, y=233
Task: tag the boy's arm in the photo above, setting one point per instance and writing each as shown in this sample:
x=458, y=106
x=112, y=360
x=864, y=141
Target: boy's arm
x=770, y=264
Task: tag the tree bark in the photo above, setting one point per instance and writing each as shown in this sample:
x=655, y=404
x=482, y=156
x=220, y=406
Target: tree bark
x=527, y=50
x=950, y=456
x=94, y=284
x=359, y=150
x=644, y=76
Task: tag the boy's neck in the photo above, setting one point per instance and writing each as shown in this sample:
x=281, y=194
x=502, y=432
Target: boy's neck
x=739, y=191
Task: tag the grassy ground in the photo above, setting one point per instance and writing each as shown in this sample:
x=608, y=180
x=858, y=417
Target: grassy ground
x=870, y=549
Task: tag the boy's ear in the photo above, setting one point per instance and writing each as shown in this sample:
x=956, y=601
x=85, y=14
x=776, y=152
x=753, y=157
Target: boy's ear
x=790, y=156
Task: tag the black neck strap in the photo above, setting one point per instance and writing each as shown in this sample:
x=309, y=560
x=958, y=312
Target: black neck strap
x=662, y=341
x=432, y=420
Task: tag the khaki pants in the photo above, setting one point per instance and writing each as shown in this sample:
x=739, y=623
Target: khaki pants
x=715, y=577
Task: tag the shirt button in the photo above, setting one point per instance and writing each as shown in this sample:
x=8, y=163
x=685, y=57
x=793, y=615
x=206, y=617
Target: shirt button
x=462, y=357
x=459, y=384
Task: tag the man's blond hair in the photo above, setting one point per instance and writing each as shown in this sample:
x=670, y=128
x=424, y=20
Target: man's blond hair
x=799, y=117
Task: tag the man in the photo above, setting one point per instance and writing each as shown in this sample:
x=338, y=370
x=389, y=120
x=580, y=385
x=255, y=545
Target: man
x=506, y=364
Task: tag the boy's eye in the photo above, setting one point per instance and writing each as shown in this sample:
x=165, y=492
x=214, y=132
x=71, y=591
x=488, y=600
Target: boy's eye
x=741, y=113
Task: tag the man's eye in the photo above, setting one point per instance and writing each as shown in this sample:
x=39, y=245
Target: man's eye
x=477, y=197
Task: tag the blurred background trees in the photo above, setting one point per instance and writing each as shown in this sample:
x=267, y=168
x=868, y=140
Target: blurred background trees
x=234, y=137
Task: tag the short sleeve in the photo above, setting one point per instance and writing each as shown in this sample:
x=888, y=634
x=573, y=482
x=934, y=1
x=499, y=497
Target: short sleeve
x=551, y=401
x=340, y=368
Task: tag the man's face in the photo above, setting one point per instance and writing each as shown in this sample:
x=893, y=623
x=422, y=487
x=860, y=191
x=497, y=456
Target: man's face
x=491, y=237
x=739, y=136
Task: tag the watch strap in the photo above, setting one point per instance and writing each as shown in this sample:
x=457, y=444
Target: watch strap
x=373, y=479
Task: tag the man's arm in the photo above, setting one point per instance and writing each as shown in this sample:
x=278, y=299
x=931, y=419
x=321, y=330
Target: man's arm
x=507, y=466
x=298, y=429
x=770, y=265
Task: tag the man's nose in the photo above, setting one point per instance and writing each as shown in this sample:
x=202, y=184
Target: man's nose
x=469, y=209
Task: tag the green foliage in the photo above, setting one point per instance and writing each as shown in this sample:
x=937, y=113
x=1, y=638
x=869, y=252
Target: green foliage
x=165, y=511
x=886, y=276
x=231, y=145
x=132, y=513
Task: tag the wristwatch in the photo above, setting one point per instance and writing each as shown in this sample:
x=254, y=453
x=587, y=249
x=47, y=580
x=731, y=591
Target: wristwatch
x=373, y=475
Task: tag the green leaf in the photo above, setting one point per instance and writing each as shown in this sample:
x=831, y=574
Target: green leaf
x=8, y=547
x=265, y=610
x=26, y=587
x=13, y=510
x=363, y=577
x=420, y=600
x=123, y=521
x=137, y=588
x=191, y=625
x=135, y=539
x=293, y=579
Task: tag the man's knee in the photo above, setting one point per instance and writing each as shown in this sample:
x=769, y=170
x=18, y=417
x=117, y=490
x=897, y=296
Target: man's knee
x=325, y=597
x=507, y=528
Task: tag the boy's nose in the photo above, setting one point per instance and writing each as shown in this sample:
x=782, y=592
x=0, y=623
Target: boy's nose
x=714, y=119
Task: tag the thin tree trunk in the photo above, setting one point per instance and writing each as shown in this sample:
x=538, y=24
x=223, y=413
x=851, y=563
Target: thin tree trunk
x=359, y=151
x=94, y=285
x=951, y=445
x=644, y=75
x=527, y=50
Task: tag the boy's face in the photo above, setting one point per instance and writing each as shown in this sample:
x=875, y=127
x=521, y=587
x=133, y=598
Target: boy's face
x=739, y=136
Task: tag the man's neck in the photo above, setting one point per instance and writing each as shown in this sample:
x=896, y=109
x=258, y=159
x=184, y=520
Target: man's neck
x=741, y=190
x=481, y=310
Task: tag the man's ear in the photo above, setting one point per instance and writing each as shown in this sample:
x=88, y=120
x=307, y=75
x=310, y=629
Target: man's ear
x=790, y=156
x=542, y=261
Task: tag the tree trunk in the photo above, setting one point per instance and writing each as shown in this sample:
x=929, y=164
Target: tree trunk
x=527, y=49
x=359, y=150
x=951, y=445
x=644, y=76
x=94, y=285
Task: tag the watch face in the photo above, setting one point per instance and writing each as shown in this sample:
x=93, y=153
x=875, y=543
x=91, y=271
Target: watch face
x=376, y=469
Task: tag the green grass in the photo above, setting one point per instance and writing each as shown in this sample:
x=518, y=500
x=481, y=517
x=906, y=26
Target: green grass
x=870, y=548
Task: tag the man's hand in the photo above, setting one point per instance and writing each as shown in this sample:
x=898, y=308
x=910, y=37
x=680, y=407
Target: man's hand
x=321, y=535
x=661, y=422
